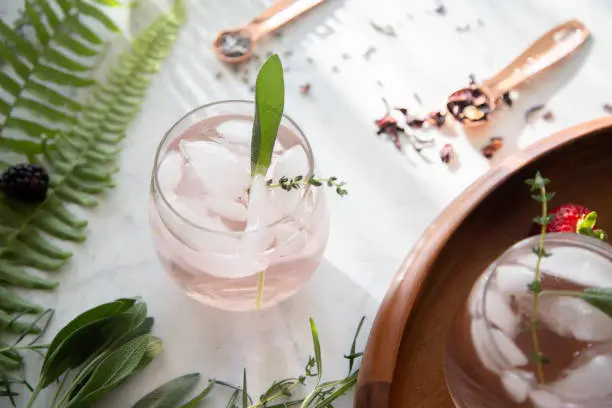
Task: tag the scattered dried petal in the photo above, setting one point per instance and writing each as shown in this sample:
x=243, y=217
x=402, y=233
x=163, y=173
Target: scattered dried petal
x=335, y=69
x=471, y=112
x=480, y=22
x=463, y=29
x=548, y=116
x=369, y=52
x=436, y=119
x=607, y=108
x=386, y=29
x=288, y=53
x=305, y=88
x=507, y=99
x=492, y=147
x=447, y=153
x=472, y=79
x=310, y=60
x=417, y=98
x=403, y=111
x=416, y=123
x=441, y=9
x=530, y=114
x=218, y=75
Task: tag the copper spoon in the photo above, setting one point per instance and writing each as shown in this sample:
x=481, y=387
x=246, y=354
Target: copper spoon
x=472, y=106
x=236, y=45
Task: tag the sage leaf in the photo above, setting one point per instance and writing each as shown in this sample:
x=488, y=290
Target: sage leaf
x=195, y=402
x=116, y=367
x=84, y=336
x=269, y=106
x=601, y=298
x=170, y=394
x=153, y=349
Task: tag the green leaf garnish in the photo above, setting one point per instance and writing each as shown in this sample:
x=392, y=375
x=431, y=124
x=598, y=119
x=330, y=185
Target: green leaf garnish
x=585, y=226
x=601, y=298
x=170, y=394
x=269, y=106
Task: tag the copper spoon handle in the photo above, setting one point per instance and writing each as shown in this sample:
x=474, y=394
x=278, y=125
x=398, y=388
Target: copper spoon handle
x=279, y=17
x=549, y=49
x=277, y=6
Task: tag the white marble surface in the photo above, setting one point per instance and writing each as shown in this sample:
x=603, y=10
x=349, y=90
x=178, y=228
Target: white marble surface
x=393, y=196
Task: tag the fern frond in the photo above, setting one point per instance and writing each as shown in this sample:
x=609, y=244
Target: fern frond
x=81, y=162
x=61, y=55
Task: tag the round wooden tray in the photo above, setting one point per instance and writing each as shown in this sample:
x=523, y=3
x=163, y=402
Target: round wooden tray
x=403, y=361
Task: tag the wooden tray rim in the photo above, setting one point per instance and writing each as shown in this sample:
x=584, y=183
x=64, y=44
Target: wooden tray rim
x=379, y=360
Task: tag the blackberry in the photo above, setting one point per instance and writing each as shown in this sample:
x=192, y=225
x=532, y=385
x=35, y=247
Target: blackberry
x=25, y=182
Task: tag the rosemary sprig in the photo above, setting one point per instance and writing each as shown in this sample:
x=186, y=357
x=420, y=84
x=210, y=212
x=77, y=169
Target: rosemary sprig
x=538, y=188
x=279, y=394
x=295, y=183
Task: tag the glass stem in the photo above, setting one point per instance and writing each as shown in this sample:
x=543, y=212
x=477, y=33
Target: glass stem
x=260, y=289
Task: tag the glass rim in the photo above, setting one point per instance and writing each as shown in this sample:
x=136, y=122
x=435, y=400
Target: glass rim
x=575, y=240
x=156, y=164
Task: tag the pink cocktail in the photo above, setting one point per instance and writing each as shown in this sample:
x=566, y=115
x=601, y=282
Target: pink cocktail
x=226, y=240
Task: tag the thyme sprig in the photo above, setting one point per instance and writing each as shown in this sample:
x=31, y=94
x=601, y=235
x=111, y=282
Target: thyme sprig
x=295, y=183
x=280, y=393
x=539, y=193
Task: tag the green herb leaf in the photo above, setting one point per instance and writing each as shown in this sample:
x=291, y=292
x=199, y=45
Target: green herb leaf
x=269, y=106
x=171, y=393
x=245, y=395
x=82, y=337
x=195, y=402
x=601, y=298
x=116, y=367
x=588, y=221
x=352, y=356
x=318, y=361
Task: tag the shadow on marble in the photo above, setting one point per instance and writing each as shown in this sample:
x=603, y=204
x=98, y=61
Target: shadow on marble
x=510, y=122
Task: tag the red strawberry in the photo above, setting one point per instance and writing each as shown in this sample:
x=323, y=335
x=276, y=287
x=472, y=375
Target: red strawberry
x=566, y=218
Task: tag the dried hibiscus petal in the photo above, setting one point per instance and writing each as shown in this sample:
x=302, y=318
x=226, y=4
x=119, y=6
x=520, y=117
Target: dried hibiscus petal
x=436, y=119
x=447, y=153
x=492, y=147
x=415, y=123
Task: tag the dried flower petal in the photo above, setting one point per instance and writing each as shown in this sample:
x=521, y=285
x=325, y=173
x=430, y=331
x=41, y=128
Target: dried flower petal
x=447, y=153
x=305, y=88
x=472, y=79
x=507, y=99
x=415, y=123
x=441, y=9
x=417, y=98
x=530, y=114
x=548, y=116
x=386, y=29
x=608, y=108
x=436, y=119
x=492, y=147
x=369, y=52
x=403, y=111
x=471, y=112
